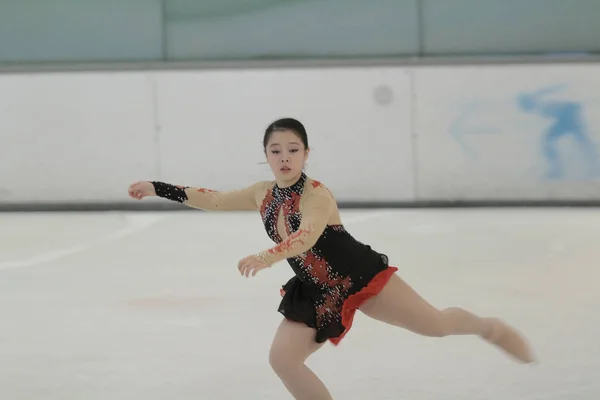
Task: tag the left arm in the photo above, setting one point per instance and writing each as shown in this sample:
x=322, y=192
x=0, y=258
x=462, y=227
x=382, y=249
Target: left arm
x=315, y=211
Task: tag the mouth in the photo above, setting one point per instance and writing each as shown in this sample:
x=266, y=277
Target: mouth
x=285, y=169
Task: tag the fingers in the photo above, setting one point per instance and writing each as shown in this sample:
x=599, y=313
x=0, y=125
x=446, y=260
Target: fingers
x=250, y=266
x=246, y=269
x=136, y=191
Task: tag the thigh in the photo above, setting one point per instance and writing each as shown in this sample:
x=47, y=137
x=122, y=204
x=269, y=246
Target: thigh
x=400, y=305
x=293, y=342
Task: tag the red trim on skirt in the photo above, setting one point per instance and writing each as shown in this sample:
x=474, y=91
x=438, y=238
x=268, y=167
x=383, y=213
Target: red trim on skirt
x=354, y=301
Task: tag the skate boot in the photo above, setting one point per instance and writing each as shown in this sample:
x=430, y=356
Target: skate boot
x=508, y=339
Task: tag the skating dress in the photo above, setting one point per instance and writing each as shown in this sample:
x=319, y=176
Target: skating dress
x=333, y=272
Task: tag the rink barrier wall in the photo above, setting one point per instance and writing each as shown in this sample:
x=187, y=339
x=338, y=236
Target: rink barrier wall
x=381, y=136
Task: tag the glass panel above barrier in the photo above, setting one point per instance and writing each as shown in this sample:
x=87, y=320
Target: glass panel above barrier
x=37, y=31
x=493, y=27
x=276, y=29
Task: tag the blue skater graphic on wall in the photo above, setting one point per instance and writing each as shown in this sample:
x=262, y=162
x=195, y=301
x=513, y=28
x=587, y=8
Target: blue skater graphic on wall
x=567, y=120
x=566, y=146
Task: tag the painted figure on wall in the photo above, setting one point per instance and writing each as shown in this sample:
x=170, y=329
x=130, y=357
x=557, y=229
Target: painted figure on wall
x=567, y=121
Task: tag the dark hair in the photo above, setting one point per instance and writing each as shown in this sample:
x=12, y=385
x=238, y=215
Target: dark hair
x=286, y=124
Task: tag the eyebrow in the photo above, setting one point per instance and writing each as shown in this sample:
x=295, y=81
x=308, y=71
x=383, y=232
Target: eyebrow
x=277, y=144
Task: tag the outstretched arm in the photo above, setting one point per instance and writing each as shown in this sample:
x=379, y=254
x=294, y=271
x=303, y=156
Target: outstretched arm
x=315, y=212
x=210, y=200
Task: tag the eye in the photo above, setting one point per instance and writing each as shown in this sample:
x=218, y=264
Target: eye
x=294, y=151
x=275, y=151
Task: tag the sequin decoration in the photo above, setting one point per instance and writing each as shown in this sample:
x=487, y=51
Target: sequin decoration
x=170, y=192
x=310, y=267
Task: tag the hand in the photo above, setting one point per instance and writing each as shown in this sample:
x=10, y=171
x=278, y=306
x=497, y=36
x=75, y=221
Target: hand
x=251, y=265
x=139, y=190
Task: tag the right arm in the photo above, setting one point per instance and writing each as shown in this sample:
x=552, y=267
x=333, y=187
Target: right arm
x=211, y=200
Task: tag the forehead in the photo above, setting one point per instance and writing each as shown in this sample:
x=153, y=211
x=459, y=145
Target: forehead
x=284, y=137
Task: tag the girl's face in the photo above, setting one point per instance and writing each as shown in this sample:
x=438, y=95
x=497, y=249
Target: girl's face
x=286, y=156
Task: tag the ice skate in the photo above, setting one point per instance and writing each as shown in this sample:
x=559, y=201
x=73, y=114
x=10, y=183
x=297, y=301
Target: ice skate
x=509, y=340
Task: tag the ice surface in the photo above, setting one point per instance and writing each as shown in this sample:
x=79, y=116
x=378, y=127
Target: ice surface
x=151, y=306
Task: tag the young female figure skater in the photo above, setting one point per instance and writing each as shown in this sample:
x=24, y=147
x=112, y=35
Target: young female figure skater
x=334, y=273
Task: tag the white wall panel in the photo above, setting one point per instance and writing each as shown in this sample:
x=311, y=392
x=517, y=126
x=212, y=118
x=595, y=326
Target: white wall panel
x=514, y=132
x=508, y=132
x=74, y=137
x=358, y=123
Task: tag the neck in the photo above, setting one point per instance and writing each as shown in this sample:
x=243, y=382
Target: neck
x=284, y=183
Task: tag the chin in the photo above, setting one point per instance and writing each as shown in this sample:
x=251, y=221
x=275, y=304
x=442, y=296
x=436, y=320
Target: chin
x=287, y=174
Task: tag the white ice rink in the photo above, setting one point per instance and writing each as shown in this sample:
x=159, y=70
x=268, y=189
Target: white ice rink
x=150, y=306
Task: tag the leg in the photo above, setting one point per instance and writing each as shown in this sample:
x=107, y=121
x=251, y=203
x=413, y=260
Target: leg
x=293, y=344
x=398, y=304
x=550, y=151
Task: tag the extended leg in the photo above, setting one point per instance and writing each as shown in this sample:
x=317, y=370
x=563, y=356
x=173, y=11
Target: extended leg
x=550, y=151
x=398, y=304
x=293, y=344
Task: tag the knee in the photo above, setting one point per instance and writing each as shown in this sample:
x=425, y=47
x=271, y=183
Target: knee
x=439, y=329
x=443, y=325
x=446, y=323
x=282, y=362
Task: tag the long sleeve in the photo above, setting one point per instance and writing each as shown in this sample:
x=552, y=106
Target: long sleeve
x=211, y=200
x=315, y=211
